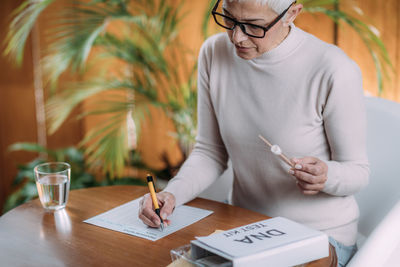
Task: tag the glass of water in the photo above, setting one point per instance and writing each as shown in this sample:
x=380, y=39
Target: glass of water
x=52, y=182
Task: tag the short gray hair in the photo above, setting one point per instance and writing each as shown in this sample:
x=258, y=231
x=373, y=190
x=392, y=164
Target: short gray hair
x=277, y=6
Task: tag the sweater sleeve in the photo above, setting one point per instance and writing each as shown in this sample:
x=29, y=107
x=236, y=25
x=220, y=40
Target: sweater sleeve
x=344, y=117
x=209, y=157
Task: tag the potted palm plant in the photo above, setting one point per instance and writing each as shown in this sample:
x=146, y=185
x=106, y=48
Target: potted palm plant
x=142, y=36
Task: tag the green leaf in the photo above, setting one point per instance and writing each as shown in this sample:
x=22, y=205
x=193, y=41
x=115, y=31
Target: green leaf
x=32, y=147
x=60, y=106
x=107, y=145
x=20, y=27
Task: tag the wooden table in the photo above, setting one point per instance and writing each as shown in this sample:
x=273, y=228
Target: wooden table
x=30, y=236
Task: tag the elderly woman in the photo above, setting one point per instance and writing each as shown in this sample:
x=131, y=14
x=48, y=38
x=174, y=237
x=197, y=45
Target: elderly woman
x=265, y=76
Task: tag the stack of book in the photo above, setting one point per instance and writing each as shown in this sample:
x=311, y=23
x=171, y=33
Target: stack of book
x=273, y=242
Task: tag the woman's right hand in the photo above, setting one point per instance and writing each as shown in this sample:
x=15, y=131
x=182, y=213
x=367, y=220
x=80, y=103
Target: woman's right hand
x=166, y=201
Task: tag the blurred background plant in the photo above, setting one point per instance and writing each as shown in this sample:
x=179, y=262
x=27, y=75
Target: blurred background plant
x=142, y=37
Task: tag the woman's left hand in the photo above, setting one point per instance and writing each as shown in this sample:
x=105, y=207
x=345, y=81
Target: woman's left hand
x=311, y=174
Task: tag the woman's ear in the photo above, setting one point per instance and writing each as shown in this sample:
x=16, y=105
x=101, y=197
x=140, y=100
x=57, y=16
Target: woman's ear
x=292, y=14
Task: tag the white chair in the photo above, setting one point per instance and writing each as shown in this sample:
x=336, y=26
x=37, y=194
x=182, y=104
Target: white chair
x=382, y=247
x=379, y=236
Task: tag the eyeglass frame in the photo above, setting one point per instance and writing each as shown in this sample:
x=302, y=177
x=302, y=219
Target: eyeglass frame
x=241, y=24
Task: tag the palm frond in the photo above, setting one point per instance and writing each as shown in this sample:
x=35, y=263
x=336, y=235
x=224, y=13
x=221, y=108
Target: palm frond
x=318, y=3
x=60, y=106
x=206, y=19
x=26, y=16
x=106, y=146
x=141, y=56
x=72, y=39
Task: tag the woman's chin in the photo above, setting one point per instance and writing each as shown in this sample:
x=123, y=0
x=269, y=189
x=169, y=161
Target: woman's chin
x=246, y=53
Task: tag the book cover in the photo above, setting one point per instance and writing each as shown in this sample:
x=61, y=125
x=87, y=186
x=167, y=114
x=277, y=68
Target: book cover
x=277, y=241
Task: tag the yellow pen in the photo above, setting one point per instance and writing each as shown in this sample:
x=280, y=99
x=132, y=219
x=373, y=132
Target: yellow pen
x=152, y=189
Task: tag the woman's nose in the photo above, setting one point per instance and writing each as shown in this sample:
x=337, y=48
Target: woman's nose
x=238, y=35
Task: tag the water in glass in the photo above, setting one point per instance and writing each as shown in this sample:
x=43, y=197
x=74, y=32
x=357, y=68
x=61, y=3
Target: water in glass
x=53, y=191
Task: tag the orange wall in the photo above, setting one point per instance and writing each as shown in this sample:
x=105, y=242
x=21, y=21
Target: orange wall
x=17, y=109
x=384, y=15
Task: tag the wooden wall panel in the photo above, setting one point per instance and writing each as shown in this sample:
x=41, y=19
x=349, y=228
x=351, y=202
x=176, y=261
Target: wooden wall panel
x=317, y=24
x=71, y=132
x=155, y=137
x=17, y=109
x=397, y=59
x=384, y=16
x=16, y=105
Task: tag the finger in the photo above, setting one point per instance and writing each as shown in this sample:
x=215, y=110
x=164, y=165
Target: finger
x=168, y=206
x=143, y=213
x=307, y=192
x=305, y=160
x=152, y=216
x=307, y=186
x=306, y=177
x=143, y=204
x=145, y=201
x=146, y=210
x=309, y=160
x=314, y=169
x=147, y=221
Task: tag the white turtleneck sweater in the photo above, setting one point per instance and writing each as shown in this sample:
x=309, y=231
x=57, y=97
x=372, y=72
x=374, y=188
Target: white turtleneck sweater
x=304, y=95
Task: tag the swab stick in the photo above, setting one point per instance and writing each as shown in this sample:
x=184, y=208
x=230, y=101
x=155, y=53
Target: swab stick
x=277, y=151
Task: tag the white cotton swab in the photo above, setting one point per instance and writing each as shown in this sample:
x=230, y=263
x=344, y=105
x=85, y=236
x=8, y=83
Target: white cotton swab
x=277, y=151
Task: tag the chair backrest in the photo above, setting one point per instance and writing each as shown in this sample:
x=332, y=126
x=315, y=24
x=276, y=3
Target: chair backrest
x=382, y=247
x=383, y=144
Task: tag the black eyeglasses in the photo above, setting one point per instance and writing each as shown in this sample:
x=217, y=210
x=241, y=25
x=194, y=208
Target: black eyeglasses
x=249, y=29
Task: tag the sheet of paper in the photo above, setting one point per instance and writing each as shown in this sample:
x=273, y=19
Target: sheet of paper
x=125, y=219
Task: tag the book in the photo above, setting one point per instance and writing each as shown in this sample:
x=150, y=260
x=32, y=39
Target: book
x=273, y=242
